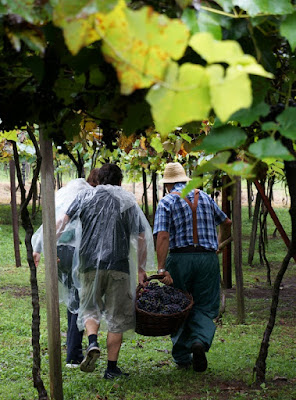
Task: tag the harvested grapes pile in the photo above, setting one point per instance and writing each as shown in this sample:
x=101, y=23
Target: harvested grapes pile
x=161, y=299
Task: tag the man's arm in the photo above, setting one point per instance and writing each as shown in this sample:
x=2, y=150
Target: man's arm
x=142, y=258
x=162, y=248
x=61, y=225
x=224, y=232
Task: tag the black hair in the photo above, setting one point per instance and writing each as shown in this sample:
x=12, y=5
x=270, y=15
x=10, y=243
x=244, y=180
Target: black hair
x=110, y=174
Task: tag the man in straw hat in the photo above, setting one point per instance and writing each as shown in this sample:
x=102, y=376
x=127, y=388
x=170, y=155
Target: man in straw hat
x=186, y=246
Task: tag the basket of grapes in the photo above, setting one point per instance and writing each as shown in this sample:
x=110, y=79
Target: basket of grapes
x=160, y=309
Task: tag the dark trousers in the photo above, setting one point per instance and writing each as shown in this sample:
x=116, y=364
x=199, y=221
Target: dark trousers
x=74, y=340
x=198, y=274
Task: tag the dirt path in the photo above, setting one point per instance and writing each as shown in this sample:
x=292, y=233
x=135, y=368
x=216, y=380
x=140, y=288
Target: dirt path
x=280, y=197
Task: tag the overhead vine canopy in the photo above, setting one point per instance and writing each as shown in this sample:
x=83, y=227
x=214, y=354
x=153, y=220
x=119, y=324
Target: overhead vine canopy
x=133, y=65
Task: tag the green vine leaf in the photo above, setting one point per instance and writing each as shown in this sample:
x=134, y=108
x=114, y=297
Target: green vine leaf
x=270, y=149
x=272, y=7
x=287, y=29
x=287, y=120
x=186, y=97
x=156, y=144
x=226, y=137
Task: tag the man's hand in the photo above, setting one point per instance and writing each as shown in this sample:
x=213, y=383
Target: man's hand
x=142, y=276
x=167, y=279
x=36, y=257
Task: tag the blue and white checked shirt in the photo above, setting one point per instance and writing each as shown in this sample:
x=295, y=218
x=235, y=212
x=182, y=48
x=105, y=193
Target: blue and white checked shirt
x=174, y=215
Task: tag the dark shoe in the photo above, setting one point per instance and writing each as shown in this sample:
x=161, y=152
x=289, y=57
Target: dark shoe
x=89, y=362
x=114, y=374
x=200, y=362
x=184, y=366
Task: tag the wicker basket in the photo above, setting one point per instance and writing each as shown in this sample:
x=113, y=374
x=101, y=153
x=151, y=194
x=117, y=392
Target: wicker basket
x=151, y=324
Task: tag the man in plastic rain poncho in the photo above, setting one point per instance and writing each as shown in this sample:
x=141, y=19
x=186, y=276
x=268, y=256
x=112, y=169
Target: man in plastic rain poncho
x=68, y=293
x=186, y=228
x=112, y=250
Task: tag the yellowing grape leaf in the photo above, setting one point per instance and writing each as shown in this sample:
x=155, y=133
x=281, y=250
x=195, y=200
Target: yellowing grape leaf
x=80, y=33
x=185, y=97
x=225, y=51
x=140, y=45
x=229, y=93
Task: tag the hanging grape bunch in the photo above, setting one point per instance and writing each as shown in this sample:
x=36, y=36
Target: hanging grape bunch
x=161, y=299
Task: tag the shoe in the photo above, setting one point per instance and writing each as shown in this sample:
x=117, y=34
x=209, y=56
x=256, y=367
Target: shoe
x=200, y=363
x=72, y=365
x=114, y=374
x=184, y=365
x=89, y=362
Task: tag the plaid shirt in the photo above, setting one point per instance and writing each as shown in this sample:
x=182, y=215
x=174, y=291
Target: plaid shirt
x=174, y=215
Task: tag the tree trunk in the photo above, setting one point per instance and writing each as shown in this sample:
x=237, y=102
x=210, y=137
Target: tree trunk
x=15, y=227
x=237, y=240
x=250, y=198
x=51, y=271
x=226, y=255
x=260, y=367
x=27, y=225
x=253, y=236
x=145, y=195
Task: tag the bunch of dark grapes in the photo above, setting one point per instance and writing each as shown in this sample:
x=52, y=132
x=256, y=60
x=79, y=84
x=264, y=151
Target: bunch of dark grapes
x=162, y=299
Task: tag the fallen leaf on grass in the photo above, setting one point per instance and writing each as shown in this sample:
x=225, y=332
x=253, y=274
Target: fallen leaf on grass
x=280, y=378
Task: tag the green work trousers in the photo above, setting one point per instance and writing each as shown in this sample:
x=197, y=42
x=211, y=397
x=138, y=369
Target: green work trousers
x=198, y=274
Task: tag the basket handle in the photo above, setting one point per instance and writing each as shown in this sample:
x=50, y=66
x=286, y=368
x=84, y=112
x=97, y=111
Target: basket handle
x=149, y=278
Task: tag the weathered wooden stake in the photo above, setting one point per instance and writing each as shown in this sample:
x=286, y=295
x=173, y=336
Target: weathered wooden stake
x=237, y=240
x=51, y=272
x=15, y=227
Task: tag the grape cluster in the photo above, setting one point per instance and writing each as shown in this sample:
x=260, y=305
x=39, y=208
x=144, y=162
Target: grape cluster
x=161, y=299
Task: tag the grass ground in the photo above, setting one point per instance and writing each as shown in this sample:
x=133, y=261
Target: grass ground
x=153, y=375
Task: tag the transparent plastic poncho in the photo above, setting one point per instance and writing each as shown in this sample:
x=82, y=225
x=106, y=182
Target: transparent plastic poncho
x=68, y=293
x=112, y=234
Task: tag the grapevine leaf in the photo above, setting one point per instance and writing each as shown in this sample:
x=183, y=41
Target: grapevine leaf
x=255, y=7
x=239, y=168
x=247, y=116
x=287, y=120
x=156, y=144
x=186, y=97
x=190, y=19
x=214, y=163
x=270, y=148
x=287, y=29
x=270, y=126
x=213, y=51
x=186, y=137
x=225, y=4
x=193, y=184
x=226, y=137
x=80, y=33
x=10, y=135
x=208, y=22
x=229, y=93
x=226, y=51
x=140, y=45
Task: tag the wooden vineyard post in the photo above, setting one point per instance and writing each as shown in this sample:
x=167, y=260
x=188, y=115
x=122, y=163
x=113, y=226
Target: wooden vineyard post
x=226, y=254
x=237, y=240
x=51, y=271
x=15, y=227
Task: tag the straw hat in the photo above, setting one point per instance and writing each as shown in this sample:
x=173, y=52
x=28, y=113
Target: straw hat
x=174, y=172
